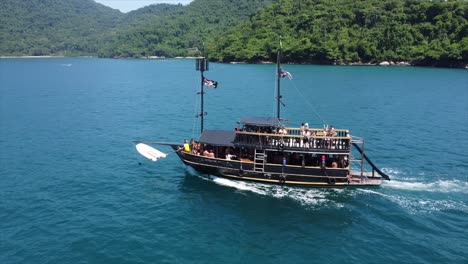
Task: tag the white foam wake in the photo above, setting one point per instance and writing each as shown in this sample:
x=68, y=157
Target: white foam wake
x=443, y=186
x=303, y=196
x=420, y=204
x=392, y=171
x=415, y=201
x=404, y=181
x=244, y=186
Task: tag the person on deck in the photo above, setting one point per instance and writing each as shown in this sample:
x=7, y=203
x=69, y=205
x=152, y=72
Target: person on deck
x=332, y=132
x=193, y=145
x=282, y=131
x=312, y=139
x=206, y=153
x=325, y=138
x=186, y=146
x=306, y=138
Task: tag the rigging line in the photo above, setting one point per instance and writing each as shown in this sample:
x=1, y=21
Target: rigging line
x=309, y=103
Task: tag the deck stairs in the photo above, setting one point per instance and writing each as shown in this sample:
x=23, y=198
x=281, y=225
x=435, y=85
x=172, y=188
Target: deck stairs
x=259, y=161
x=359, y=160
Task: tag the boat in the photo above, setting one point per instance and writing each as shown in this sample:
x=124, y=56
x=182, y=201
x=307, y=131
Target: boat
x=268, y=150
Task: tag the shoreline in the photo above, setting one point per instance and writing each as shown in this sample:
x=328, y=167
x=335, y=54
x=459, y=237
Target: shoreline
x=382, y=63
x=32, y=57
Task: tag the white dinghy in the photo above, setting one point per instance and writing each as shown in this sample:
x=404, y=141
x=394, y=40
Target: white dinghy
x=149, y=152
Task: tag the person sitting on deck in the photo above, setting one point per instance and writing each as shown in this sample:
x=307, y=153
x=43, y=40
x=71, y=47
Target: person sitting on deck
x=211, y=154
x=206, y=153
x=343, y=161
x=193, y=145
x=186, y=146
x=231, y=157
x=282, y=131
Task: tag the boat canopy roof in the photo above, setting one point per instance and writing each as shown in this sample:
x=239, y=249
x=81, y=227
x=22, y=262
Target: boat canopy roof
x=218, y=137
x=260, y=121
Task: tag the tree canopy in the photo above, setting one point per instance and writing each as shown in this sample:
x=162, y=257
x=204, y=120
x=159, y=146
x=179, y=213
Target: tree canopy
x=182, y=31
x=343, y=31
x=54, y=27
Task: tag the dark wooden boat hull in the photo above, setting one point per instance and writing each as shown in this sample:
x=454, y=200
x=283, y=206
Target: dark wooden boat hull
x=273, y=173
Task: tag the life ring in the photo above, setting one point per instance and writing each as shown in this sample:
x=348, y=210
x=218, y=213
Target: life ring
x=331, y=181
x=281, y=146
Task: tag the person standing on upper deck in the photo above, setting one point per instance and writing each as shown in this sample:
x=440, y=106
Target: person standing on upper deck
x=332, y=132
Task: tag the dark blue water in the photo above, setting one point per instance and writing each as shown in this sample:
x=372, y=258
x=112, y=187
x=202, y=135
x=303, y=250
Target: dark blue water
x=72, y=189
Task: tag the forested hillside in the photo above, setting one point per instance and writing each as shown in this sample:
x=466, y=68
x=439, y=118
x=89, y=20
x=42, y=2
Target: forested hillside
x=84, y=27
x=341, y=31
x=422, y=32
x=55, y=27
x=182, y=31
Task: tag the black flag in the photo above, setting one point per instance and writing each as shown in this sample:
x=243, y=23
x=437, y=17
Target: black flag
x=283, y=73
x=210, y=83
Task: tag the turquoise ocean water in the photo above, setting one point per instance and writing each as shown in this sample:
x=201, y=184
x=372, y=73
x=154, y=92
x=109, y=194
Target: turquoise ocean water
x=74, y=190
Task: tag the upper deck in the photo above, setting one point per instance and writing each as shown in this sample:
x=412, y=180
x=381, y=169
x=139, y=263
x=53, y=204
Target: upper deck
x=264, y=133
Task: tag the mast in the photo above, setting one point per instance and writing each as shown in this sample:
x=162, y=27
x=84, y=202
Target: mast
x=202, y=66
x=278, y=85
x=278, y=80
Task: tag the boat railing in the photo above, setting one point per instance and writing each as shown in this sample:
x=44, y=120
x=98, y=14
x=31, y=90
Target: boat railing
x=295, y=140
x=318, y=132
